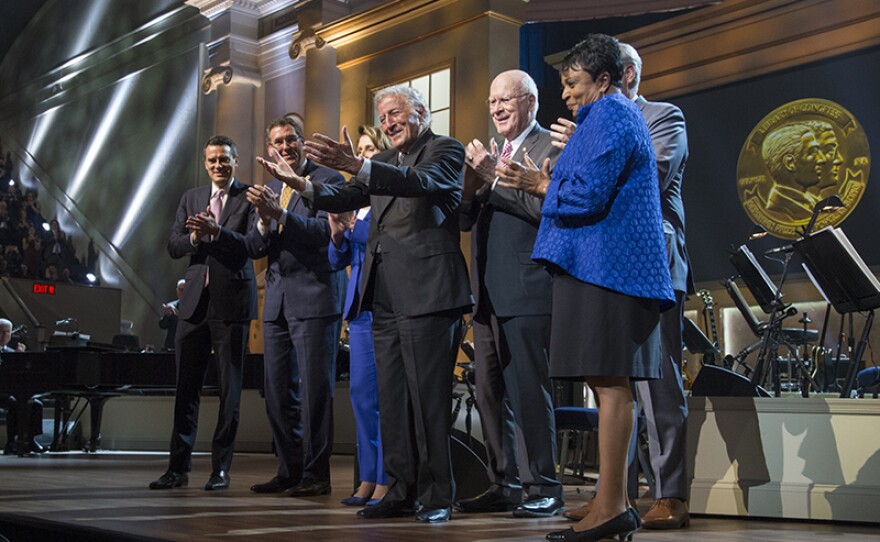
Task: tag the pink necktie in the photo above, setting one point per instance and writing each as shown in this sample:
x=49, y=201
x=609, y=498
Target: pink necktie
x=217, y=205
x=507, y=150
x=216, y=210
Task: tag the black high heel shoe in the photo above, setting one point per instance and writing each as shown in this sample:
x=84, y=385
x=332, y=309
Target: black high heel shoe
x=620, y=527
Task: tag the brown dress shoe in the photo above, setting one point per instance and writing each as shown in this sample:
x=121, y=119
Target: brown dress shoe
x=667, y=514
x=577, y=514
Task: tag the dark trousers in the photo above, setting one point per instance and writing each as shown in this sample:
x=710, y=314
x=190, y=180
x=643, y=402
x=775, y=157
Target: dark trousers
x=299, y=379
x=514, y=391
x=23, y=420
x=194, y=342
x=415, y=357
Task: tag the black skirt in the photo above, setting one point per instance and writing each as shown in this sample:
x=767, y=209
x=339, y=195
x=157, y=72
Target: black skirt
x=599, y=332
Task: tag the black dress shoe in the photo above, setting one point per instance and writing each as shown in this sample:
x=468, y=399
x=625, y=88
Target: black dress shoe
x=620, y=527
x=539, y=507
x=386, y=509
x=485, y=502
x=310, y=488
x=275, y=485
x=170, y=480
x=434, y=515
x=218, y=480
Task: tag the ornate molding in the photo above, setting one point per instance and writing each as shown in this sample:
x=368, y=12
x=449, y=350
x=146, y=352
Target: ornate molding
x=214, y=8
x=303, y=41
x=741, y=39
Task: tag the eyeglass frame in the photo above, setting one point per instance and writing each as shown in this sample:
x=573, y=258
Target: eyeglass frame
x=504, y=102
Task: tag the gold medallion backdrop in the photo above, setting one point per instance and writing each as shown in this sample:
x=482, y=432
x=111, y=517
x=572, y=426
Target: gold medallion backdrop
x=799, y=154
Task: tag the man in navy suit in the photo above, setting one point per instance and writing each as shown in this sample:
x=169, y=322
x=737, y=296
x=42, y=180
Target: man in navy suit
x=512, y=316
x=302, y=320
x=219, y=301
x=415, y=282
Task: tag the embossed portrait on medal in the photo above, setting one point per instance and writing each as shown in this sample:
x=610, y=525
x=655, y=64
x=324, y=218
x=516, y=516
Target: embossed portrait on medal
x=798, y=155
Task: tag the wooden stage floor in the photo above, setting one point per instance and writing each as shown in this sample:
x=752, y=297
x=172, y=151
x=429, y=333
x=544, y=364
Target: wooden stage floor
x=104, y=497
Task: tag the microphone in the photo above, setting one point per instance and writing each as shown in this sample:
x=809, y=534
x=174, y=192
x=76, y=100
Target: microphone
x=784, y=249
x=20, y=329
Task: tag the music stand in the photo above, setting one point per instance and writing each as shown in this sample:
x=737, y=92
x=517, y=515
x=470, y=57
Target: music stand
x=697, y=343
x=755, y=278
x=844, y=280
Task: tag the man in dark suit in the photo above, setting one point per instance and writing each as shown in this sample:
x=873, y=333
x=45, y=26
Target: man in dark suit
x=302, y=320
x=664, y=400
x=168, y=322
x=415, y=282
x=21, y=427
x=512, y=317
x=218, y=303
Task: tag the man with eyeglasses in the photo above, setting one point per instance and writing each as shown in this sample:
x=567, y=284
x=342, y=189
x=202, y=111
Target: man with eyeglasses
x=512, y=316
x=302, y=319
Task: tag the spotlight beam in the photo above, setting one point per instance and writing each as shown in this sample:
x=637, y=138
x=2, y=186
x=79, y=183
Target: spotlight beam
x=111, y=116
x=184, y=114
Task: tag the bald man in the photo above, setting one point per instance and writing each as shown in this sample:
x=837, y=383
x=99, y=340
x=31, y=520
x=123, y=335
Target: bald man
x=512, y=316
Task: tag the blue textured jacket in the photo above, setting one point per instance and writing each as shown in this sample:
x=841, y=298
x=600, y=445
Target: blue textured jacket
x=601, y=220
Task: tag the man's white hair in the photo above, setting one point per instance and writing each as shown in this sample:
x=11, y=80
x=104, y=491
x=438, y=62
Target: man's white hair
x=630, y=57
x=412, y=96
x=5, y=323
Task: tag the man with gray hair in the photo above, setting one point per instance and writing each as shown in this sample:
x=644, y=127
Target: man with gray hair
x=663, y=400
x=415, y=282
x=511, y=325
x=24, y=420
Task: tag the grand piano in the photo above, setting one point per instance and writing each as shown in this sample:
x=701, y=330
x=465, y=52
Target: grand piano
x=88, y=376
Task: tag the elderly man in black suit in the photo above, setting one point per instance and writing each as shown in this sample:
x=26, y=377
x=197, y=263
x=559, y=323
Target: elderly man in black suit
x=219, y=301
x=302, y=320
x=512, y=317
x=415, y=282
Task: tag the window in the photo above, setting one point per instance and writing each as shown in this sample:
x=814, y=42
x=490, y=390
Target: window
x=436, y=87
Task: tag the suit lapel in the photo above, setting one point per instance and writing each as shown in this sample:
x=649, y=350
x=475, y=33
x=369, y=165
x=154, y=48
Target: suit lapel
x=233, y=201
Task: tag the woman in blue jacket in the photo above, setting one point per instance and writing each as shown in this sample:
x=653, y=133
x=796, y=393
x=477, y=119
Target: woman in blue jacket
x=601, y=237
x=348, y=240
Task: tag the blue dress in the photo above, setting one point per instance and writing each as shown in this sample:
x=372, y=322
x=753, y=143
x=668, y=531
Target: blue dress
x=601, y=236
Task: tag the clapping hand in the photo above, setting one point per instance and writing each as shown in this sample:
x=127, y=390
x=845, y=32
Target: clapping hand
x=338, y=155
x=525, y=176
x=561, y=131
x=281, y=170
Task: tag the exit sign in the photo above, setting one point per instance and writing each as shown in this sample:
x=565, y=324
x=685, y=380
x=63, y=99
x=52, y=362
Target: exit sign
x=43, y=288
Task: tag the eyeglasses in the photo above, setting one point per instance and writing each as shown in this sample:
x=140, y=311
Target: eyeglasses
x=503, y=102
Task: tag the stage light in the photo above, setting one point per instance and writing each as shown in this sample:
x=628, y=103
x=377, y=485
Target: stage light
x=11, y=182
x=91, y=278
x=111, y=115
x=184, y=115
x=46, y=226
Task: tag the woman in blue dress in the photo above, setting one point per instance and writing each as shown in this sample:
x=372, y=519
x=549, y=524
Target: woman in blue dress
x=601, y=237
x=348, y=240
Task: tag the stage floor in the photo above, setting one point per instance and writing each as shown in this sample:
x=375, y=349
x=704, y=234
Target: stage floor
x=104, y=496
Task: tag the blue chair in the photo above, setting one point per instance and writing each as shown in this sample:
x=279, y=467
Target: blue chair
x=573, y=424
x=867, y=378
